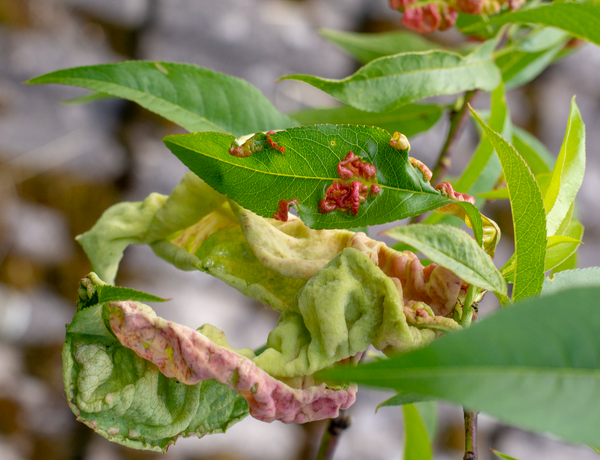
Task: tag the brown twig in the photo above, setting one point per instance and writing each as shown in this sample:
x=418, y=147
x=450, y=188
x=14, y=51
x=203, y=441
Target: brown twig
x=470, y=435
x=332, y=435
x=458, y=121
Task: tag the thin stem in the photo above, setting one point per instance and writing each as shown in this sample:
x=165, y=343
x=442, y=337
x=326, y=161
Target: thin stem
x=458, y=121
x=332, y=435
x=470, y=435
x=466, y=316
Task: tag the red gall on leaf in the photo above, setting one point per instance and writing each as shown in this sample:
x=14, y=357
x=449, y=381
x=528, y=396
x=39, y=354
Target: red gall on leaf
x=352, y=167
x=446, y=189
x=283, y=209
x=427, y=174
x=255, y=144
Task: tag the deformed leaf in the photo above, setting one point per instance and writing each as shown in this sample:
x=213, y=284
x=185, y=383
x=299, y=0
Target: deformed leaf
x=528, y=367
x=195, y=98
x=454, y=249
x=390, y=82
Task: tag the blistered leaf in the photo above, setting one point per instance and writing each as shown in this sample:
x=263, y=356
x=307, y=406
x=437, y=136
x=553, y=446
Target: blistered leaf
x=528, y=367
x=389, y=82
x=409, y=119
x=126, y=399
x=195, y=98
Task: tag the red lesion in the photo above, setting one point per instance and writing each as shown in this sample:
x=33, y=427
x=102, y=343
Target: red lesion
x=349, y=193
x=446, y=189
x=427, y=174
x=274, y=144
x=283, y=209
x=255, y=144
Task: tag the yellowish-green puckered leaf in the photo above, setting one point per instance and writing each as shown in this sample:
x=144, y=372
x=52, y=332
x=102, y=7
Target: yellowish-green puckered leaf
x=567, y=175
x=409, y=119
x=536, y=366
x=453, y=249
x=193, y=97
x=529, y=218
x=305, y=171
x=581, y=19
x=390, y=82
x=367, y=47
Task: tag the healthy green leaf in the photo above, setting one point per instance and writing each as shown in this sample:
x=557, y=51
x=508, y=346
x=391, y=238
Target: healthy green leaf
x=536, y=366
x=405, y=398
x=567, y=175
x=453, y=249
x=307, y=169
x=195, y=98
x=483, y=170
x=542, y=39
x=537, y=156
x=367, y=47
x=428, y=411
x=108, y=293
x=409, y=119
x=417, y=445
x=528, y=217
x=504, y=456
x=520, y=67
x=87, y=98
x=390, y=82
x=581, y=19
x=596, y=449
x=569, y=279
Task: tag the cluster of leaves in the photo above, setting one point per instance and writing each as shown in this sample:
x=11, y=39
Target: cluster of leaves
x=534, y=365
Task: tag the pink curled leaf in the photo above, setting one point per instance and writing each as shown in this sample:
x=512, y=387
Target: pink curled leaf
x=189, y=356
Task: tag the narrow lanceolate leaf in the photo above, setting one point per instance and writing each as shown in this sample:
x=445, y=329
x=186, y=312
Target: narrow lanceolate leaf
x=537, y=156
x=529, y=218
x=307, y=169
x=567, y=175
x=579, y=19
x=390, y=82
x=405, y=398
x=416, y=444
x=409, y=119
x=569, y=279
x=504, y=456
x=519, y=67
x=195, y=98
x=367, y=47
x=452, y=248
x=528, y=368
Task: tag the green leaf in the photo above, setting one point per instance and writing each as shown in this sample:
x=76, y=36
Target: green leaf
x=528, y=217
x=409, y=119
x=195, y=98
x=567, y=175
x=307, y=169
x=596, y=449
x=405, y=398
x=428, y=411
x=542, y=39
x=579, y=19
x=87, y=98
x=537, y=156
x=367, y=47
x=504, y=456
x=569, y=279
x=453, y=249
x=417, y=445
x=520, y=67
x=483, y=170
x=536, y=366
x=390, y=82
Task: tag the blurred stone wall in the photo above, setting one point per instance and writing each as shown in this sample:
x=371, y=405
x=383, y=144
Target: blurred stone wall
x=61, y=166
